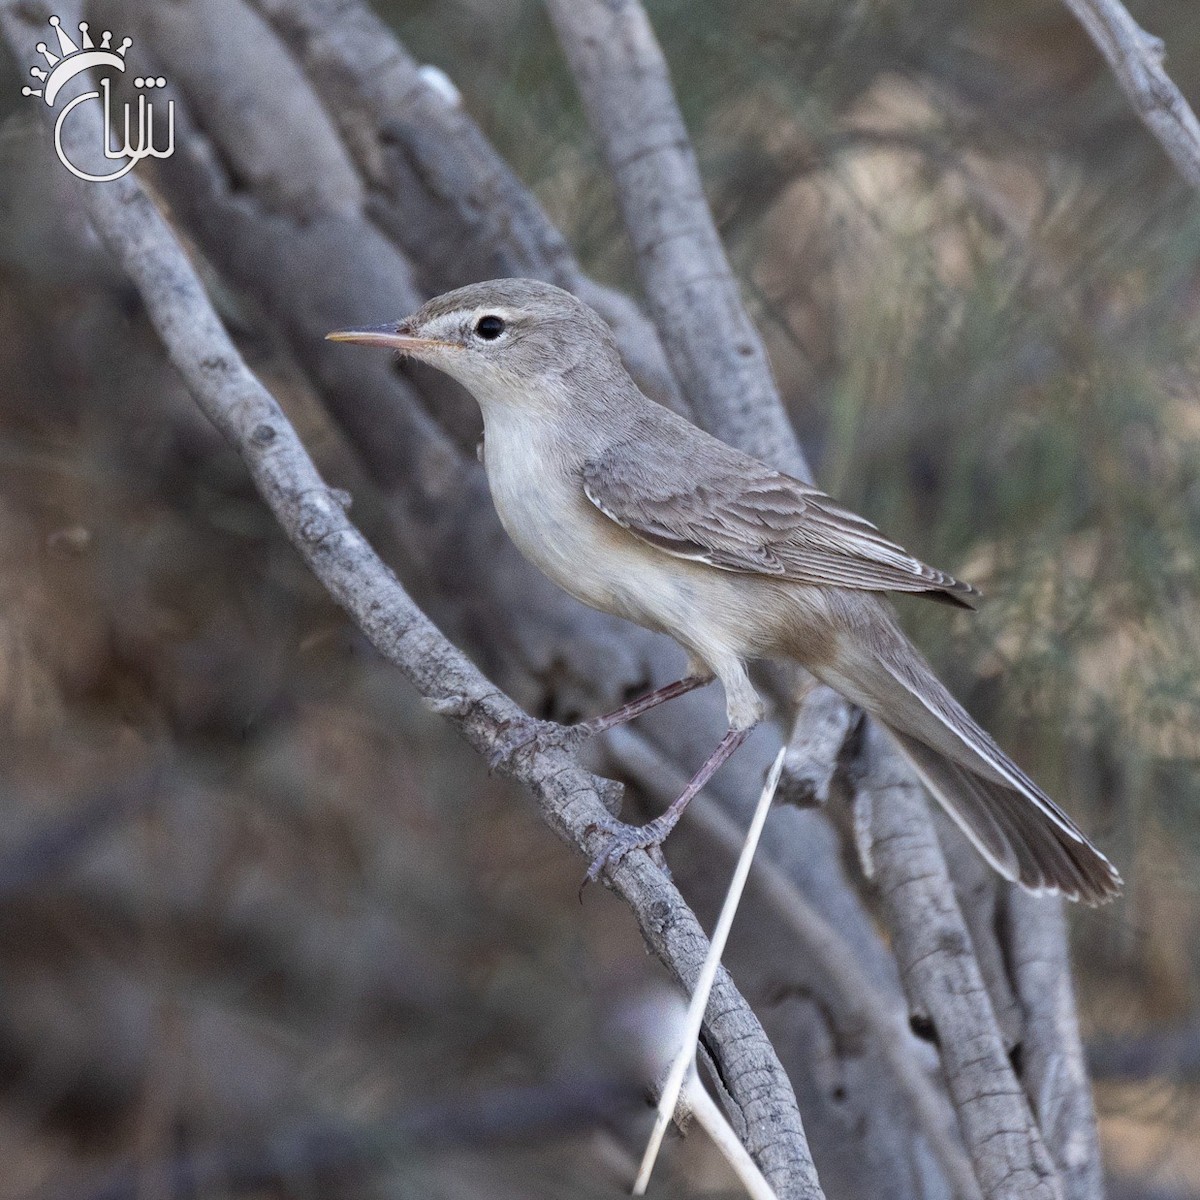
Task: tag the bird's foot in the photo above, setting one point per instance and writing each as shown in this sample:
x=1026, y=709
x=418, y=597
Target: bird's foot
x=624, y=839
x=528, y=733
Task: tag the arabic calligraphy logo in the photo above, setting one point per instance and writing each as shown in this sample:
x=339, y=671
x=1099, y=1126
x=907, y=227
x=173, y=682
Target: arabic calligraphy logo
x=68, y=63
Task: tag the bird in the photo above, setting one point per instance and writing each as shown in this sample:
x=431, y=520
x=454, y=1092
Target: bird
x=635, y=511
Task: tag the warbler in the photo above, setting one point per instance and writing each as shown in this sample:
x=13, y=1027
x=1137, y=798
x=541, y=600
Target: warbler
x=637, y=512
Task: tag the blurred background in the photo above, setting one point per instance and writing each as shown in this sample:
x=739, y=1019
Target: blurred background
x=251, y=892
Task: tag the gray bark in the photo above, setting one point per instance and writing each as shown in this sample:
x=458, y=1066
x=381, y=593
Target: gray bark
x=943, y=980
x=694, y=297
x=1053, y=1067
x=556, y=656
x=1136, y=58
x=625, y=85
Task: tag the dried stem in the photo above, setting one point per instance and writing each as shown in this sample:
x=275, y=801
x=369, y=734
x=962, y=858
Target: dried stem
x=685, y=1059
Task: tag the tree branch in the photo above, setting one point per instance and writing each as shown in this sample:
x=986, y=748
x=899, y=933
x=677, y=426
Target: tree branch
x=1136, y=58
x=626, y=89
x=694, y=297
x=417, y=150
x=857, y=998
x=943, y=980
x=1053, y=1066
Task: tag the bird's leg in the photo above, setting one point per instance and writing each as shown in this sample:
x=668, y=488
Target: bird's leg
x=530, y=731
x=643, y=704
x=625, y=838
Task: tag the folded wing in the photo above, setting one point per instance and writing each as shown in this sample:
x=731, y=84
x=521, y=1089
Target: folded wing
x=707, y=502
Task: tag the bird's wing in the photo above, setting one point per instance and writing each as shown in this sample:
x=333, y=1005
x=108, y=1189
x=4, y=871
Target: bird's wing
x=704, y=501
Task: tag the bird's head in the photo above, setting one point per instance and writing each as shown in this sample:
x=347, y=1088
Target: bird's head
x=508, y=341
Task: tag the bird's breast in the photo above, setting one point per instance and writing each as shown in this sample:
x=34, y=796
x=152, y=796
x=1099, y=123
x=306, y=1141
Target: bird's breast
x=538, y=494
x=537, y=488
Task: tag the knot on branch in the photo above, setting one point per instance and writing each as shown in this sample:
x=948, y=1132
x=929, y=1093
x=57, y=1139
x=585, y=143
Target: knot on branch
x=1153, y=47
x=321, y=514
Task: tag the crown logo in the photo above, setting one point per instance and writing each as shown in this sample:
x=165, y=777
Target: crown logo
x=72, y=59
x=76, y=57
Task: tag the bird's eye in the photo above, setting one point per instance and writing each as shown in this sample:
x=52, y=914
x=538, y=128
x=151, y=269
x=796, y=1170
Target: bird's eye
x=489, y=328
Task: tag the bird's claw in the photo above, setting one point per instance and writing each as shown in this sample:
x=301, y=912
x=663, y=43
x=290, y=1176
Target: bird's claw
x=530, y=733
x=624, y=839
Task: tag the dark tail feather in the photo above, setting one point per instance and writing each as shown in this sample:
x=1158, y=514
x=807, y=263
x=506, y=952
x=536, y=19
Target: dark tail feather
x=1012, y=822
x=1035, y=845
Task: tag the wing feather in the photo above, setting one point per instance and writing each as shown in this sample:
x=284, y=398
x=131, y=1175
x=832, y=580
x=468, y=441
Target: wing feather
x=706, y=502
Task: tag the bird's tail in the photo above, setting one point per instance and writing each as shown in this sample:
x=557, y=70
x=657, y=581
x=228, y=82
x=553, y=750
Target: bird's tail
x=1010, y=820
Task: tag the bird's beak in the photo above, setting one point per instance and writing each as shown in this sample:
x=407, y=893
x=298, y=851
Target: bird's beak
x=392, y=336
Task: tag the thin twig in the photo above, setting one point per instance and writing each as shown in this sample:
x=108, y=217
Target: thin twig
x=711, y=1119
x=685, y=1060
x=1053, y=1067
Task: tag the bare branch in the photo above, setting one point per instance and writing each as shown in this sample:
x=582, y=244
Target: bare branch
x=711, y=342
x=308, y=275
x=943, y=981
x=823, y=723
x=569, y=799
x=1136, y=58
x=1053, y=1067
x=623, y=78
x=405, y=135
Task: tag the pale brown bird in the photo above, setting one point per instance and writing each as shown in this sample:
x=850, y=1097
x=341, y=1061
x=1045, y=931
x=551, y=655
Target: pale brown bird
x=637, y=512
